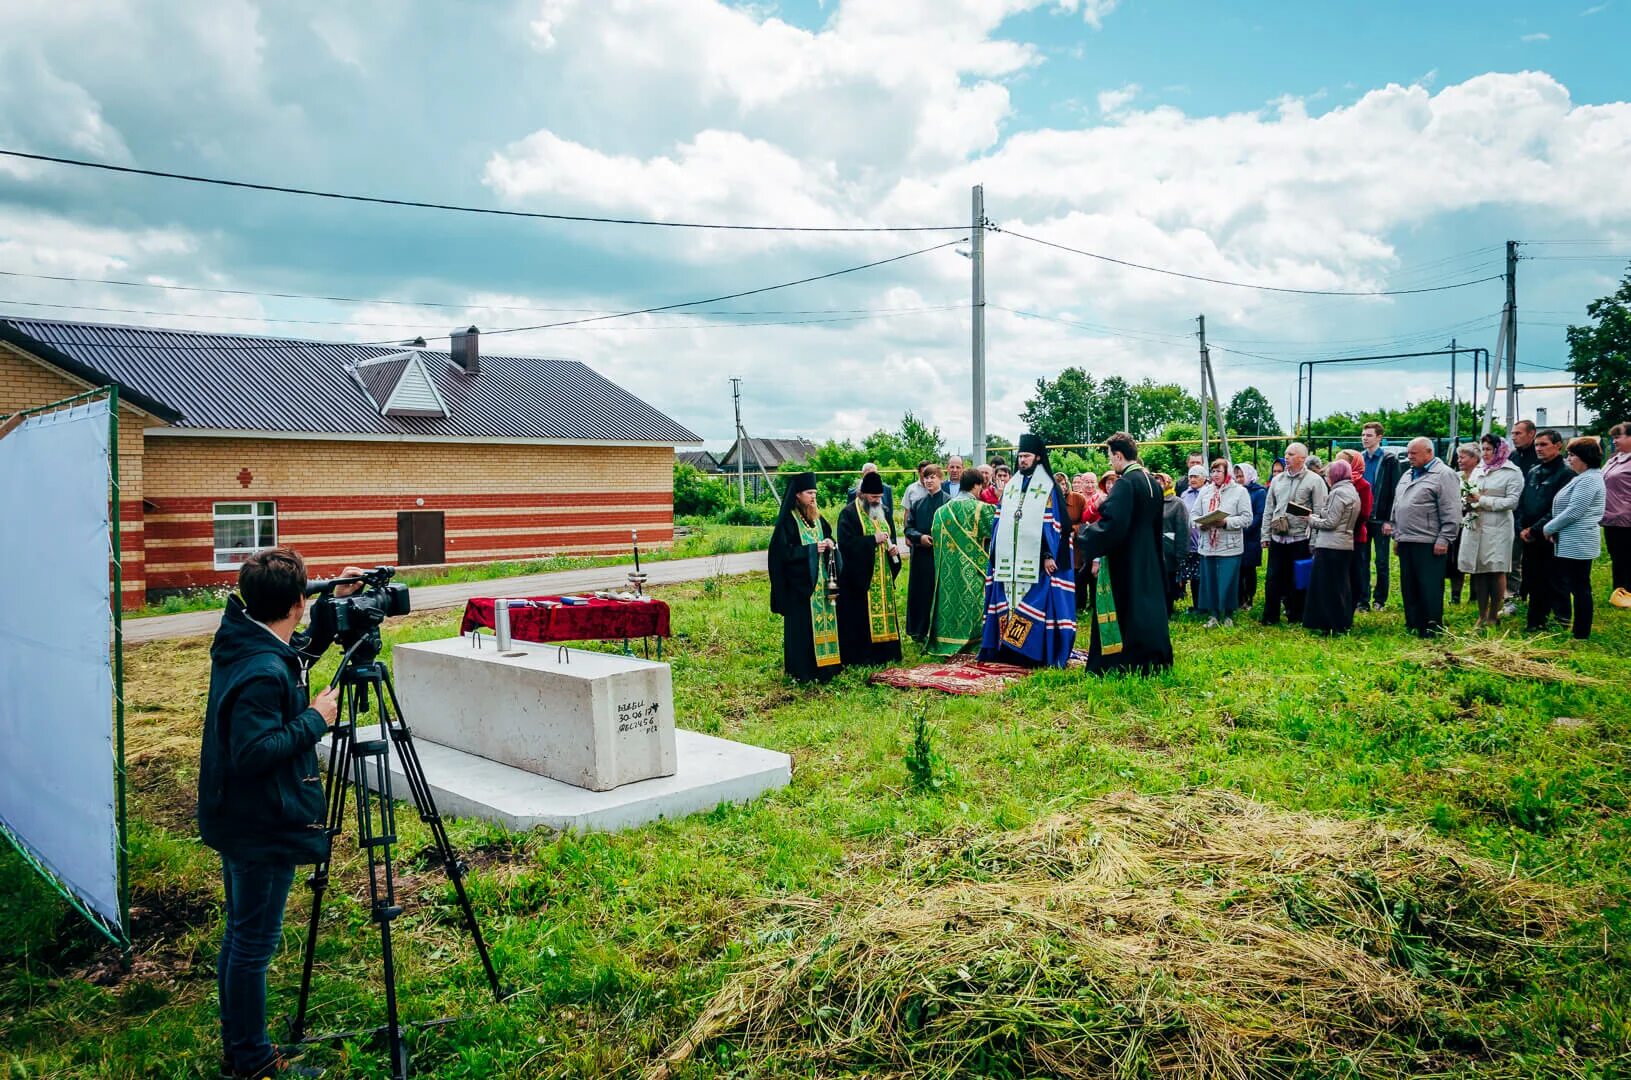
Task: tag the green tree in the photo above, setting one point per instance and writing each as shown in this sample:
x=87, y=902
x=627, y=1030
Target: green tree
x=698, y=494
x=1249, y=413
x=1062, y=410
x=919, y=441
x=1152, y=406
x=1601, y=353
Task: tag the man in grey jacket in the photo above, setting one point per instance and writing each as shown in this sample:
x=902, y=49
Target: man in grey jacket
x=1426, y=516
x=1285, y=533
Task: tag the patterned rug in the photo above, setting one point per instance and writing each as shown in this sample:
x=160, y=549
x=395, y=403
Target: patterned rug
x=953, y=677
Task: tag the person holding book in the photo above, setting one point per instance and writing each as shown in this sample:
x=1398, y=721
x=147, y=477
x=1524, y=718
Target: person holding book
x=1223, y=511
x=1330, y=606
x=1293, y=496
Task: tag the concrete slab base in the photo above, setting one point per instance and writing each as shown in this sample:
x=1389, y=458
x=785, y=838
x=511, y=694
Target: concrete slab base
x=710, y=771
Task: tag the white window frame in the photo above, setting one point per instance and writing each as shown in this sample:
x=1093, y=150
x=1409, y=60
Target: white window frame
x=232, y=558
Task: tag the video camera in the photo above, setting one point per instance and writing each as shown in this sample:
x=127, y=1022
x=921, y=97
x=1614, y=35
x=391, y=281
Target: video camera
x=359, y=615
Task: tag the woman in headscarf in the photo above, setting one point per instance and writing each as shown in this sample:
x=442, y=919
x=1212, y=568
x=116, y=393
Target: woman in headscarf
x=1222, y=512
x=1329, y=608
x=1357, y=580
x=1486, y=539
x=1252, y=557
x=803, y=584
x=1467, y=457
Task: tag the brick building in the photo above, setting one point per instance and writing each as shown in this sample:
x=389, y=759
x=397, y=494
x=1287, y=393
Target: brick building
x=352, y=453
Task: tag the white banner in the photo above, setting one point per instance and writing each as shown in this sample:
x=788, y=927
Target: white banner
x=56, y=679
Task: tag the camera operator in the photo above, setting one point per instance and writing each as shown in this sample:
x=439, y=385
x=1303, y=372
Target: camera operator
x=260, y=791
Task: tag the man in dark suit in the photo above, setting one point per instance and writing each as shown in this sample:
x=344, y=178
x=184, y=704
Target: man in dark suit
x=1382, y=474
x=1525, y=457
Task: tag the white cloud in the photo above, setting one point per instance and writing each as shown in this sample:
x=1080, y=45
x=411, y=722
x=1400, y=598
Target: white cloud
x=1093, y=11
x=1536, y=37
x=1595, y=9
x=1113, y=101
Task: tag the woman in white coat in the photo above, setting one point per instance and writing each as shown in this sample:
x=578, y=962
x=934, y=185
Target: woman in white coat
x=1486, y=541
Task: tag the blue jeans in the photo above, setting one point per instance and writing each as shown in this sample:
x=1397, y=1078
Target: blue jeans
x=255, y=895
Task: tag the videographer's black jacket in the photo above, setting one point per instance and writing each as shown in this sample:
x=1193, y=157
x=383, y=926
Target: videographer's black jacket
x=260, y=788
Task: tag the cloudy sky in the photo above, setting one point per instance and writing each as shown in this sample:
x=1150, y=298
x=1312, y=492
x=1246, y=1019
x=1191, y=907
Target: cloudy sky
x=1353, y=147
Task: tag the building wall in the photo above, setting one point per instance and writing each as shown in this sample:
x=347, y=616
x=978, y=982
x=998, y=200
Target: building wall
x=26, y=383
x=337, y=501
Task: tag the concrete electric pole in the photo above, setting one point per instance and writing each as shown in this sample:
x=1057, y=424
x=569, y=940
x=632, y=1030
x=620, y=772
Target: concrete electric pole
x=741, y=444
x=976, y=241
x=1511, y=333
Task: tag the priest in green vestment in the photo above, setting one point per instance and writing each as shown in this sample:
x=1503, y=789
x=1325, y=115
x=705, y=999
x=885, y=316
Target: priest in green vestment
x=962, y=531
x=868, y=613
x=803, y=584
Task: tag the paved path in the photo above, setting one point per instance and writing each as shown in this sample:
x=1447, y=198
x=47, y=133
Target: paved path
x=434, y=597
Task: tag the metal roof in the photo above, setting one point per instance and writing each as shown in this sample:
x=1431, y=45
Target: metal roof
x=247, y=383
x=771, y=453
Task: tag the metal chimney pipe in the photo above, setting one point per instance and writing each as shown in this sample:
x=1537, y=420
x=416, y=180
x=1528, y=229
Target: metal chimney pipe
x=467, y=349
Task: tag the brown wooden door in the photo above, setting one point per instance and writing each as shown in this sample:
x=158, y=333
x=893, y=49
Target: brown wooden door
x=420, y=538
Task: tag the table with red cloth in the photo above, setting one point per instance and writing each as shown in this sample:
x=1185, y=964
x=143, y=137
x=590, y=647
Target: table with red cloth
x=596, y=619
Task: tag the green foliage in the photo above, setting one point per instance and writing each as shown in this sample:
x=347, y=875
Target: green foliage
x=1601, y=353
x=1430, y=418
x=923, y=763
x=753, y=513
x=1074, y=408
x=697, y=493
x=1249, y=413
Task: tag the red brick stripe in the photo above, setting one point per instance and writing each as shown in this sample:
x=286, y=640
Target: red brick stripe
x=292, y=503
x=385, y=548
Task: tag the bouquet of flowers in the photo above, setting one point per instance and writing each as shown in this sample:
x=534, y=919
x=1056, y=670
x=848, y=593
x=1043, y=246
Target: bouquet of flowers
x=1469, y=509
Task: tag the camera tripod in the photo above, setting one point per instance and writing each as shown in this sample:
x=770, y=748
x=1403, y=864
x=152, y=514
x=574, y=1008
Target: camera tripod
x=352, y=764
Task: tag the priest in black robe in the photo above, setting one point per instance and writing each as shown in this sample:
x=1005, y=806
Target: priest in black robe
x=920, y=540
x=1130, y=614
x=868, y=617
x=803, y=581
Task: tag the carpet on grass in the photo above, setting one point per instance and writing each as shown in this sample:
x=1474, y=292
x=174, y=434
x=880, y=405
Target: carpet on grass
x=953, y=676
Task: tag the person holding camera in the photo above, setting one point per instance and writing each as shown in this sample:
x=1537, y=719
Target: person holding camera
x=261, y=802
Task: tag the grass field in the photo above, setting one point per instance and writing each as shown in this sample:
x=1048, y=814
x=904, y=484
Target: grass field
x=1326, y=858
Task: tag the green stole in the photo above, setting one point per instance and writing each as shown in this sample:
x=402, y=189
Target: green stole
x=883, y=620
x=959, y=562
x=1104, y=610
x=823, y=615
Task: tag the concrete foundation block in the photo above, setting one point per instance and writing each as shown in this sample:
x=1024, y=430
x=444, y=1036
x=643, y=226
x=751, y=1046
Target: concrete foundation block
x=596, y=720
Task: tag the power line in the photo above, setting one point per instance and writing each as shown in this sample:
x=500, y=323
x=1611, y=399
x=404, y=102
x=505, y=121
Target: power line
x=835, y=316
x=417, y=204
x=732, y=296
x=1247, y=284
x=275, y=343
x=1112, y=331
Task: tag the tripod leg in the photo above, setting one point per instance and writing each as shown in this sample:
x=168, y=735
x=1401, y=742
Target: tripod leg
x=393, y=722
x=377, y=843
x=339, y=766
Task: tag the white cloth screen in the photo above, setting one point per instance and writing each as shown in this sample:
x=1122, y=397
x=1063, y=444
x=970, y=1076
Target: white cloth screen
x=56, y=680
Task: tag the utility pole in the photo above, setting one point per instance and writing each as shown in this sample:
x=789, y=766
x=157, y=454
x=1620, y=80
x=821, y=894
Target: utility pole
x=741, y=444
x=1201, y=319
x=1511, y=333
x=1455, y=416
x=1125, y=426
x=977, y=257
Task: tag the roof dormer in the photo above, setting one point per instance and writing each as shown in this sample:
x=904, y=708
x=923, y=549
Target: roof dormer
x=400, y=385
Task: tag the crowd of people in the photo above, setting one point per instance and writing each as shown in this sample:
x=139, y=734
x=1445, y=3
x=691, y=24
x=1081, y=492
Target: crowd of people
x=1004, y=560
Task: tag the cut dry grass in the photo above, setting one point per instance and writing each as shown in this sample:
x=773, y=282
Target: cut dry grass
x=1523, y=658
x=1200, y=935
